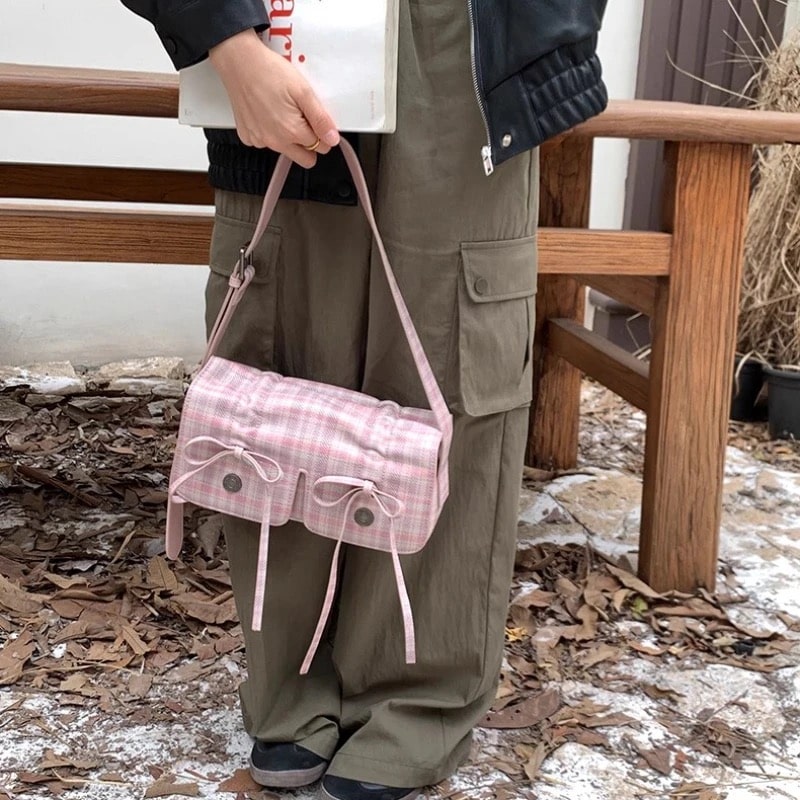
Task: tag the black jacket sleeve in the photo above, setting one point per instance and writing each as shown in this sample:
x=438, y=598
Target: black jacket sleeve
x=188, y=29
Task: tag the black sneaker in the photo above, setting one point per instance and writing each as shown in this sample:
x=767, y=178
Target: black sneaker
x=334, y=788
x=285, y=766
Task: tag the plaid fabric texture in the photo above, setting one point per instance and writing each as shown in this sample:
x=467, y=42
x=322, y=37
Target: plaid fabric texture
x=303, y=435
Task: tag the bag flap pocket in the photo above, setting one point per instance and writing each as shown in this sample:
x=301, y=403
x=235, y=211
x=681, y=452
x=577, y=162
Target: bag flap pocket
x=495, y=271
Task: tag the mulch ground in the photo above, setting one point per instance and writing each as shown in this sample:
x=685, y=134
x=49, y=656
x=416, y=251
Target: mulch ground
x=91, y=611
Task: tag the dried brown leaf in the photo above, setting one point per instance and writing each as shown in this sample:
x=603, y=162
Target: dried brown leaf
x=68, y=609
x=204, y=609
x=696, y=608
x=590, y=738
x=657, y=758
x=522, y=666
x=564, y=586
x=240, y=781
x=53, y=761
x=165, y=786
x=588, y=627
x=227, y=644
x=647, y=649
x=608, y=720
x=74, y=683
x=692, y=788
x=14, y=656
x=139, y=684
x=597, y=653
x=632, y=582
x=209, y=532
x=33, y=777
x=619, y=598
x=134, y=641
x=536, y=598
x=15, y=598
x=657, y=693
x=64, y=582
x=529, y=712
x=534, y=756
x=160, y=575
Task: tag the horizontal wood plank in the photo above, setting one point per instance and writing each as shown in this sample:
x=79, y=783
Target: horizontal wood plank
x=119, y=184
x=688, y=122
x=137, y=237
x=146, y=94
x=575, y=251
x=42, y=233
x=77, y=90
x=602, y=360
x=636, y=291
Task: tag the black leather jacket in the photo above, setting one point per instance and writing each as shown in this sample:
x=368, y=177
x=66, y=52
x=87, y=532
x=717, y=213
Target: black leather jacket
x=535, y=70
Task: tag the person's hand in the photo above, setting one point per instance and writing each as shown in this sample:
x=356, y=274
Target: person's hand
x=273, y=104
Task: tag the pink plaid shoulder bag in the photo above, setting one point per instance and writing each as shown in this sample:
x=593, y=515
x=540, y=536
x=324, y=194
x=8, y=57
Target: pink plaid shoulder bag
x=268, y=448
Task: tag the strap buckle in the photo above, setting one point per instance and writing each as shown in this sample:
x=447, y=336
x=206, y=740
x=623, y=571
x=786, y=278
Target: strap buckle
x=243, y=263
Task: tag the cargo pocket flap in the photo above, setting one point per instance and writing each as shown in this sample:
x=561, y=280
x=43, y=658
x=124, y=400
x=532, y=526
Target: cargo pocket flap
x=495, y=271
x=228, y=230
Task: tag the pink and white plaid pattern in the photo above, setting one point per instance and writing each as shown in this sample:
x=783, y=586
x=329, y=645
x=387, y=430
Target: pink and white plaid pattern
x=267, y=448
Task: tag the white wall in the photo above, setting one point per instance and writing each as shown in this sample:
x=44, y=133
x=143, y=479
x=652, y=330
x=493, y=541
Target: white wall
x=91, y=313
x=792, y=15
x=619, y=54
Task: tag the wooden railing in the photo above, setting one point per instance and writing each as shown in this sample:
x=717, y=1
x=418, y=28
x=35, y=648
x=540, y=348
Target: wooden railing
x=686, y=277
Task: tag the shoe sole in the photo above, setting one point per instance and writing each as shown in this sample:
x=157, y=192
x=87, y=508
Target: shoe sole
x=287, y=779
x=412, y=795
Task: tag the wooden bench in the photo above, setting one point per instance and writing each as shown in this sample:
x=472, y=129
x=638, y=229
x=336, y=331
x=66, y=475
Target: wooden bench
x=686, y=277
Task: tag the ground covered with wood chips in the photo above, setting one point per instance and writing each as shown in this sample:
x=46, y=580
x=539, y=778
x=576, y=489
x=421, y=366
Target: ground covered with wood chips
x=118, y=669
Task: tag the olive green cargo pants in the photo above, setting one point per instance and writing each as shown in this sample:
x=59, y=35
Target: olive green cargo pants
x=463, y=250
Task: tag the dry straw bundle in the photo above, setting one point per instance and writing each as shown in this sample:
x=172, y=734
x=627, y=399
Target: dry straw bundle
x=770, y=307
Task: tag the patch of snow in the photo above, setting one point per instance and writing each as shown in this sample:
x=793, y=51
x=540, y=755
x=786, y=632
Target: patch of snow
x=542, y=507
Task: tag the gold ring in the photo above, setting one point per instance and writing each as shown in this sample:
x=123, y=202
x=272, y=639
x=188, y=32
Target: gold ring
x=314, y=146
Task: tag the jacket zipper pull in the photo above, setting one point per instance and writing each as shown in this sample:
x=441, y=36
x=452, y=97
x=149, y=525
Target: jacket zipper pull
x=486, y=155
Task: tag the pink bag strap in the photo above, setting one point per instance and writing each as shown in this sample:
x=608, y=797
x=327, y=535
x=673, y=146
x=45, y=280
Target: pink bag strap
x=244, y=273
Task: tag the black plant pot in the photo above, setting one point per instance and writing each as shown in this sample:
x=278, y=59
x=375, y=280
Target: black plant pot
x=784, y=403
x=746, y=389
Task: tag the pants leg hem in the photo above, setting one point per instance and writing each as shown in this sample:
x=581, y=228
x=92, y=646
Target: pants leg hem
x=387, y=773
x=322, y=744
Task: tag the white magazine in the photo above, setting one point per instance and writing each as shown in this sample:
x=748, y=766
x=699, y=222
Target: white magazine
x=347, y=50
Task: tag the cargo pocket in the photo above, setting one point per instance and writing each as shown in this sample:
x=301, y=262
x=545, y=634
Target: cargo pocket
x=496, y=311
x=250, y=338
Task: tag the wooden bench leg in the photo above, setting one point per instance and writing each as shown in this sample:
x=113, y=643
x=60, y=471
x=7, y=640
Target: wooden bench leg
x=691, y=366
x=564, y=202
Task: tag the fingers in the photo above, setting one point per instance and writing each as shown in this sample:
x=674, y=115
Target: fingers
x=298, y=154
x=319, y=120
x=306, y=137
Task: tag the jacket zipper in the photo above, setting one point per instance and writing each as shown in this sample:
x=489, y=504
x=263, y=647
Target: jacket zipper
x=486, y=150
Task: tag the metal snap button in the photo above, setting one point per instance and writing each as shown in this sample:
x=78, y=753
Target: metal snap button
x=364, y=517
x=507, y=140
x=481, y=286
x=232, y=482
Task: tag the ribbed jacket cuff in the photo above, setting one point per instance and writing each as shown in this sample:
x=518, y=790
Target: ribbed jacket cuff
x=189, y=33
x=547, y=98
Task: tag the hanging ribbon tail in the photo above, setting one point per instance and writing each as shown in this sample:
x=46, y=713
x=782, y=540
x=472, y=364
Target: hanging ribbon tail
x=405, y=603
x=174, y=537
x=326, y=609
x=261, y=571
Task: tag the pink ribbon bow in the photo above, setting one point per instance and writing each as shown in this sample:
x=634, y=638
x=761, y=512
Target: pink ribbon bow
x=391, y=507
x=254, y=460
